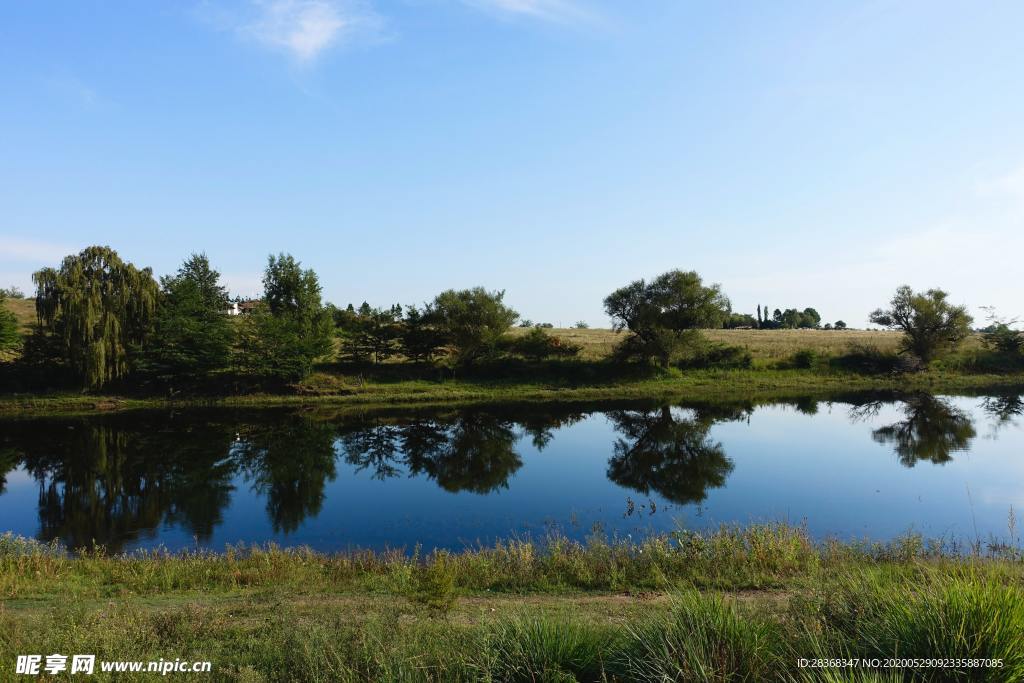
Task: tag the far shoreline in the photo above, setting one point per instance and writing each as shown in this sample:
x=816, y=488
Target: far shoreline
x=694, y=385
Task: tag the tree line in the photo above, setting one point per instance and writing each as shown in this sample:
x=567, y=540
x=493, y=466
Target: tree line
x=102, y=319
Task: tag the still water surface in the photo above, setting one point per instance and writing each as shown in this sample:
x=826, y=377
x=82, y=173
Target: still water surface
x=855, y=467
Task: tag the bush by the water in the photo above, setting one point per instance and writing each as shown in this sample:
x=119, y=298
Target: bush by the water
x=722, y=356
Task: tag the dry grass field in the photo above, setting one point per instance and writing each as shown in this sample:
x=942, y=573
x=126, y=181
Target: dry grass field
x=24, y=311
x=762, y=344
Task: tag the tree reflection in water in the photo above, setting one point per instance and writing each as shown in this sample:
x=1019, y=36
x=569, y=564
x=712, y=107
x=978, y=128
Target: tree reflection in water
x=932, y=429
x=288, y=461
x=471, y=450
x=669, y=451
x=111, y=481
x=1004, y=409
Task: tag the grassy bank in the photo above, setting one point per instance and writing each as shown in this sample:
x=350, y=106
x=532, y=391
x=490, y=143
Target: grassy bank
x=336, y=390
x=729, y=605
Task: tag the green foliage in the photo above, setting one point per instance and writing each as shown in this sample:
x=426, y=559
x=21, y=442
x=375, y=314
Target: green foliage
x=421, y=339
x=371, y=334
x=810, y=318
x=538, y=345
x=472, y=321
x=581, y=325
x=665, y=314
x=192, y=335
x=99, y=307
x=735, y=320
x=279, y=347
x=839, y=325
x=282, y=338
x=792, y=319
x=435, y=585
x=805, y=359
x=931, y=325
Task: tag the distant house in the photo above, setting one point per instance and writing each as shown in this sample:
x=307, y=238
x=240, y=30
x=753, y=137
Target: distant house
x=242, y=307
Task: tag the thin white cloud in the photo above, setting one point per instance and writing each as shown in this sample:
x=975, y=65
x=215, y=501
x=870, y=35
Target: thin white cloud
x=560, y=11
x=302, y=29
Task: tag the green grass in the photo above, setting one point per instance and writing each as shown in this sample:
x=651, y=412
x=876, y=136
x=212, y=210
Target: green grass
x=335, y=391
x=731, y=605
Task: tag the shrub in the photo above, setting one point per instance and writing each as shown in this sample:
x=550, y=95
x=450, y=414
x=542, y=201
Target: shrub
x=718, y=356
x=805, y=359
x=435, y=586
x=869, y=359
x=538, y=345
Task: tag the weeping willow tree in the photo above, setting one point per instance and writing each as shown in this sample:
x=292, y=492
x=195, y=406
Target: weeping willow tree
x=97, y=307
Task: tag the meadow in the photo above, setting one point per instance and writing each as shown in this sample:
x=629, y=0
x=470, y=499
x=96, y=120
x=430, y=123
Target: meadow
x=728, y=605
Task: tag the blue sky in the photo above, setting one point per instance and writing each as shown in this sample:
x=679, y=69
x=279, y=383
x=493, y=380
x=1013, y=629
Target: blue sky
x=799, y=153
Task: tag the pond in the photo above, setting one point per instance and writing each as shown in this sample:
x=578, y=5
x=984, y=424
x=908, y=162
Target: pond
x=853, y=467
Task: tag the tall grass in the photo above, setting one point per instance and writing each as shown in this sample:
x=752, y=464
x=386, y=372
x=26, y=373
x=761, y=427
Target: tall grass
x=527, y=649
x=728, y=558
x=959, y=615
x=744, y=605
x=702, y=638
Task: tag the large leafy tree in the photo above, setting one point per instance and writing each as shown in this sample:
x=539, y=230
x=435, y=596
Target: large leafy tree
x=930, y=324
x=665, y=314
x=99, y=308
x=192, y=335
x=472, y=321
x=284, y=337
